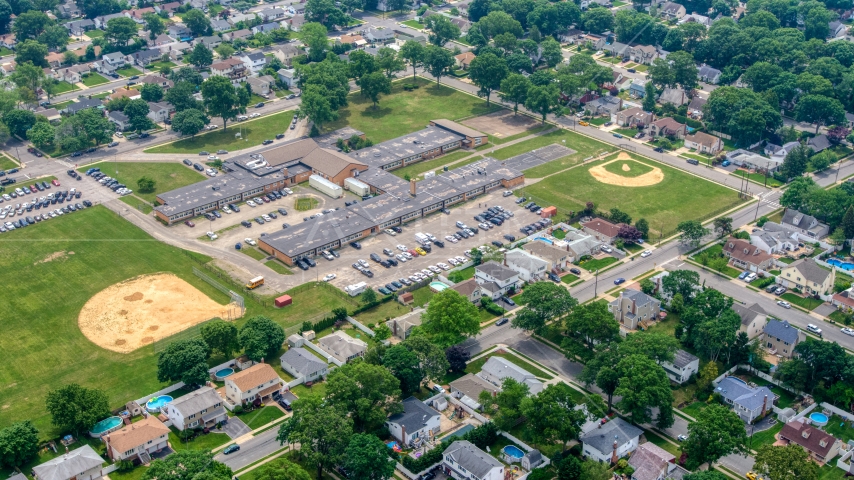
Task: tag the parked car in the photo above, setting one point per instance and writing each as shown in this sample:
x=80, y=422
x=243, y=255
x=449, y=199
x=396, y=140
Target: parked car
x=814, y=329
x=231, y=449
x=784, y=304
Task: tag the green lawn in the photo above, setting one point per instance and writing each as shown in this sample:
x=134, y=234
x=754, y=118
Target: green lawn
x=678, y=197
x=840, y=428
x=530, y=131
x=201, y=442
x=413, y=24
x=253, y=133
x=382, y=312
x=831, y=472
x=626, y=132
x=660, y=441
x=635, y=169
x=64, y=87
x=597, y=263
x=95, y=33
x=6, y=163
x=584, y=147
x=93, y=79
x=416, y=169
x=404, y=112
x=466, y=273
x=61, y=105
x=477, y=365
x=805, y=303
x=253, y=252
x=135, y=474
x=568, y=278
x=261, y=416
x=128, y=71
x=278, y=267
x=316, y=390
x=765, y=437
x=758, y=178
x=158, y=65
x=40, y=319
x=694, y=409
x=5, y=51
x=167, y=175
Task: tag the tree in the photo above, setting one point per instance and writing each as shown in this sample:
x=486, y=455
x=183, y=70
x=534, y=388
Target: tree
x=261, y=338
x=197, y=22
x=551, y=51
x=657, y=346
x=819, y=110
x=30, y=24
x=76, y=409
x=706, y=475
x=41, y=134
x=282, y=469
x=723, y=226
x=508, y=403
x=551, y=415
x=707, y=375
x=31, y=51
x=412, y=52
x=317, y=107
x=220, y=336
x=54, y=36
x=137, y=111
x=181, y=96
x=514, y=88
x=223, y=100
x=543, y=301
x=441, y=30
x=404, y=365
x=594, y=323
x=361, y=64
x=369, y=296
x=324, y=12
x=367, y=458
x=201, y=56
x=597, y=20
x=322, y=430
x=543, y=100
x=187, y=465
x=19, y=443
x=437, y=61
x=189, y=122
x=691, y=232
x=796, y=161
x=154, y=24
x=120, y=30
x=717, y=432
x=457, y=357
x=370, y=393
x=146, y=184
x=19, y=121
x=629, y=233
x=649, y=97
x=487, y=71
x=389, y=62
x=786, y=463
x=643, y=227
x=187, y=75
x=184, y=361
x=151, y=92
x=382, y=332
x=373, y=84
x=314, y=36
x=431, y=358
x=820, y=161
x=5, y=16
x=742, y=113
x=643, y=386
x=450, y=318
x=848, y=223
x=224, y=50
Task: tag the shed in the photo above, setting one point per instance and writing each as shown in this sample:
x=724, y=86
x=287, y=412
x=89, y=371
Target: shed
x=284, y=301
x=406, y=298
x=295, y=341
x=440, y=404
x=308, y=335
x=548, y=212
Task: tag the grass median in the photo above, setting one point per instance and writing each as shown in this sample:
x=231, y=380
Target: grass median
x=253, y=132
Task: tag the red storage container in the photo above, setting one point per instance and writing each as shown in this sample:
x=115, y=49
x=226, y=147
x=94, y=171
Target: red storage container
x=284, y=301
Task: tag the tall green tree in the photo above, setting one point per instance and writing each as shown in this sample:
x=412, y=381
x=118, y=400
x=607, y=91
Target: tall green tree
x=848, y=223
x=367, y=458
x=261, y=338
x=314, y=36
x=819, y=110
x=76, y=409
x=19, y=443
x=197, y=22
x=374, y=84
x=723, y=226
x=220, y=336
x=796, y=161
x=412, y=52
x=151, y=92
x=184, y=361
x=649, y=97
x=201, y=57
x=543, y=100
x=405, y=366
x=450, y=318
x=514, y=88
x=317, y=105
x=137, y=111
x=322, y=430
x=437, y=61
x=441, y=30
x=431, y=358
x=282, y=469
x=389, y=62
x=691, y=232
x=32, y=52
x=544, y=301
x=30, y=24
x=594, y=324
x=643, y=386
x=187, y=465
x=791, y=462
x=487, y=71
x=189, y=122
x=223, y=100
x=717, y=432
x=120, y=31
x=41, y=134
x=369, y=393
x=551, y=415
x=19, y=121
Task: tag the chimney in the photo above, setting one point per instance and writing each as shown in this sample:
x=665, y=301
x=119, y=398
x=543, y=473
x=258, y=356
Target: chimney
x=614, y=453
x=412, y=187
x=764, y=405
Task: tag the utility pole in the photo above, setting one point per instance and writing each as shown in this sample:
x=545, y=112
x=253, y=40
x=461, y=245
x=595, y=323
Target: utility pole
x=596, y=285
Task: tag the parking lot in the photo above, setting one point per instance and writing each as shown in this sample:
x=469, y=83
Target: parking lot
x=21, y=208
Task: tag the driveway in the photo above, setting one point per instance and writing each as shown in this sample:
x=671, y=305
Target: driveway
x=235, y=428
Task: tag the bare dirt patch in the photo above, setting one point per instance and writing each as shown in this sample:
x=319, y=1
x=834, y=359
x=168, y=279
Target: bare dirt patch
x=648, y=179
x=116, y=320
x=54, y=256
x=501, y=123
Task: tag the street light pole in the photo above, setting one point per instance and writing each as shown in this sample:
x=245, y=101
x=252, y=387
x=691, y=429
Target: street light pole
x=596, y=285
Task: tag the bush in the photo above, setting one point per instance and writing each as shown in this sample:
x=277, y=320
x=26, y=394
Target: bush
x=762, y=221
x=482, y=436
x=764, y=282
x=490, y=306
x=124, y=465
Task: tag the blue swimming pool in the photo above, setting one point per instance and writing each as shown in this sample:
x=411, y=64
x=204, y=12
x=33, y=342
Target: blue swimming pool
x=819, y=419
x=543, y=239
x=221, y=374
x=155, y=404
x=105, y=427
x=843, y=265
x=513, y=451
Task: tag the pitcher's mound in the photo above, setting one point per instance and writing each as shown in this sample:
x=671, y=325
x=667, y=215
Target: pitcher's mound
x=116, y=319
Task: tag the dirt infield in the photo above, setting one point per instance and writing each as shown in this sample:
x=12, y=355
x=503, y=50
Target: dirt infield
x=142, y=310
x=501, y=123
x=650, y=178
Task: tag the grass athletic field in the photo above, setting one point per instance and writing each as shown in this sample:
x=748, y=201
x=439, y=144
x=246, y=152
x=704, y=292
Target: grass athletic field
x=51, y=270
x=678, y=196
x=584, y=147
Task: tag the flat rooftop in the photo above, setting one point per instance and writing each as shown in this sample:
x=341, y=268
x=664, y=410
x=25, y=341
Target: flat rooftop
x=406, y=146
x=318, y=232
x=213, y=189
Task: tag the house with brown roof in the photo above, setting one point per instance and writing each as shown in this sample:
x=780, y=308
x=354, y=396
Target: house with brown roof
x=231, y=68
x=601, y=229
x=821, y=445
x=255, y=384
x=634, y=117
x=123, y=92
x=158, y=80
x=467, y=390
x=650, y=461
x=463, y=60
x=844, y=300
x=469, y=289
x=556, y=257
x=704, y=143
x=745, y=256
x=667, y=127
x=137, y=440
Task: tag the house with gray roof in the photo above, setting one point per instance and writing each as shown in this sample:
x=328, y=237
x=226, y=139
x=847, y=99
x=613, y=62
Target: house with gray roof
x=415, y=424
x=752, y=319
x=652, y=462
x=496, y=279
x=198, y=409
x=779, y=151
x=83, y=104
x=299, y=362
x=462, y=459
x=467, y=390
x=376, y=35
x=266, y=27
x=496, y=369
x=79, y=27
x=220, y=25
x=682, y=367
x=633, y=308
x=83, y=463
x=818, y=143
x=557, y=258
x=808, y=277
x=120, y=119
x=606, y=105
x=709, y=74
x=807, y=226
x=748, y=402
x=781, y=338
x=342, y=346
x=673, y=11
x=598, y=444
x=775, y=238
x=528, y=266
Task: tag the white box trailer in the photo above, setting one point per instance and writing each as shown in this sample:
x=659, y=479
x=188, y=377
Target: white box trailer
x=356, y=288
x=325, y=186
x=359, y=188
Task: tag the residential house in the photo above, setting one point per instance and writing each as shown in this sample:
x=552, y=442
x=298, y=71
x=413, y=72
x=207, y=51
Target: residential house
x=101, y=22
x=137, y=440
x=296, y=22
x=807, y=226
x=637, y=89
x=836, y=29
x=775, y=238
x=8, y=40
x=753, y=319
x=606, y=105
x=695, y=108
x=198, y=409
x=402, y=326
x=745, y=256
x=120, y=119
x=709, y=74
x=211, y=42
x=463, y=24
x=158, y=80
x=529, y=267
x=159, y=112
x=266, y=27
x=144, y=58
x=51, y=114
x=821, y=445
x=593, y=41
x=750, y=403
x=137, y=14
x=355, y=40
x=634, y=117
x=619, y=50
x=463, y=60
x=752, y=161
x=643, y=54
x=579, y=244
x=819, y=143
x=287, y=76
x=220, y=25
x=462, y=460
x=496, y=369
x=123, y=92
x=667, y=127
x=633, y=308
x=469, y=289
x=843, y=300
x=601, y=229
x=682, y=367
x=417, y=423
x=68, y=10
x=611, y=441
x=556, y=258
x=704, y=143
x=467, y=390
x=79, y=27
x=672, y=11
x=776, y=151
x=651, y=462
x=232, y=36
x=254, y=61
x=55, y=59
x=255, y=384
x=496, y=280
x=83, y=463
x=673, y=96
x=261, y=85
x=781, y=338
x=83, y=104
x=180, y=32
x=696, y=18
x=342, y=346
x=232, y=68
x=169, y=8
x=285, y=53
x=379, y=35
x=242, y=17
x=273, y=14
x=300, y=363
x=161, y=39
x=72, y=74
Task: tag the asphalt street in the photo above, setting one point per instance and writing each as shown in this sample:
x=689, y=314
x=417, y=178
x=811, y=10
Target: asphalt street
x=251, y=450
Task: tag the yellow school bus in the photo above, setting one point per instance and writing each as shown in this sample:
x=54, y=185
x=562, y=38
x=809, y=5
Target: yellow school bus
x=255, y=283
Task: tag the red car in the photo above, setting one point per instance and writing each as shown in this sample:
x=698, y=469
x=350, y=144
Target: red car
x=55, y=182
x=413, y=253
x=189, y=223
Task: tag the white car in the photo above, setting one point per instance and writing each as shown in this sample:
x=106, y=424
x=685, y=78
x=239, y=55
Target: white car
x=419, y=275
x=452, y=261
x=814, y=329
x=288, y=191
x=250, y=203
x=784, y=304
x=363, y=262
x=211, y=172
x=848, y=331
x=390, y=232
x=212, y=235
x=226, y=210
x=750, y=278
x=401, y=257
x=402, y=248
x=329, y=277
x=427, y=273
x=451, y=239
x=414, y=278
x=266, y=218
x=460, y=259
x=443, y=266
x=646, y=253
x=249, y=241
x=606, y=249
x=434, y=269
x=408, y=255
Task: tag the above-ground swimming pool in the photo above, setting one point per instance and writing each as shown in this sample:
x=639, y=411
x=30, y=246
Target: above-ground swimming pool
x=818, y=419
x=843, y=265
x=222, y=373
x=513, y=451
x=155, y=404
x=105, y=427
x=437, y=286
